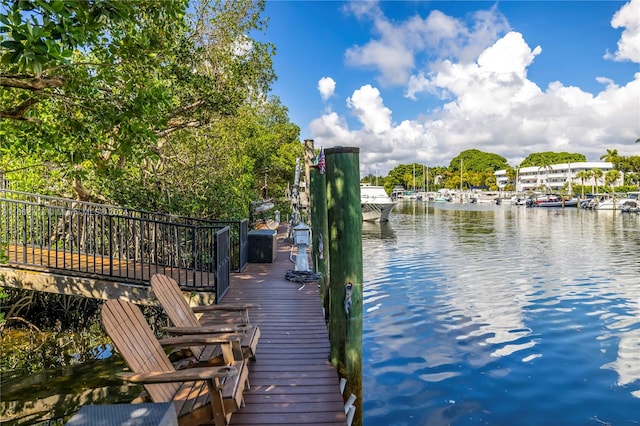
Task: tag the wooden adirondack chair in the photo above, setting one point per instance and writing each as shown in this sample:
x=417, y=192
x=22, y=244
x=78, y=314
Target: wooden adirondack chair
x=199, y=394
x=186, y=322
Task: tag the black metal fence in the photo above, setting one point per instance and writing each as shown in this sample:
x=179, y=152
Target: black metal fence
x=111, y=241
x=238, y=229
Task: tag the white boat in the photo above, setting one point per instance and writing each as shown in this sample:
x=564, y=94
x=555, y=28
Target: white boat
x=632, y=203
x=616, y=202
x=376, y=204
x=551, y=200
x=518, y=200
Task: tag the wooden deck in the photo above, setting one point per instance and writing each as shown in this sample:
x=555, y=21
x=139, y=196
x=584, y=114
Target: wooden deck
x=292, y=381
x=67, y=262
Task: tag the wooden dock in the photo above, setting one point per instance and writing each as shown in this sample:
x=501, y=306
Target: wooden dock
x=292, y=381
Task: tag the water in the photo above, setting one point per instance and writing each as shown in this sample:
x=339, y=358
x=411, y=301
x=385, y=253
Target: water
x=501, y=315
x=52, y=397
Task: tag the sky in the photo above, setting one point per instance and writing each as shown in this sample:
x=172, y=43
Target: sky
x=421, y=81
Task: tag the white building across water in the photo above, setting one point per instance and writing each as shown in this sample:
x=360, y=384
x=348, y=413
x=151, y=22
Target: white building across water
x=556, y=177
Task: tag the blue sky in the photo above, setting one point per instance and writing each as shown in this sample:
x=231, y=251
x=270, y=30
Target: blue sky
x=424, y=80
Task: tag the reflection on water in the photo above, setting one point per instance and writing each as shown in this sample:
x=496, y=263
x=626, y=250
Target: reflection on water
x=479, y=314
x=53, y=396
x=378, y=230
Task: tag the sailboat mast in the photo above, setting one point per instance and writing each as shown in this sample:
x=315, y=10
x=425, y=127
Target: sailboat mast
x=427, y=178
x=413, y=187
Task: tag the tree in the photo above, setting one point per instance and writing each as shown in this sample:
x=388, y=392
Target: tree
x=478, y=161
x=545, y=163
x=611, y=177
x=512, y=175
x=538, y=158
x=597, y=174
x=611, y=156
x=137, y=79
x=40, y=36
x=215, y=171
x=583, y=175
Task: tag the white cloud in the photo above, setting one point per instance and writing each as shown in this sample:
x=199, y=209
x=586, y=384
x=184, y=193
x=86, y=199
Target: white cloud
x=628, y=17
x=368, y=106
x=395, y=50
x=390, y=56
x=491, y=104
x=326, y=87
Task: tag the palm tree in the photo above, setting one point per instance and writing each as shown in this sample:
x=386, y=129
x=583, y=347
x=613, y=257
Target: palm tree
x=512, y=176
x=546, y=164
x=610, y=178
x=611, y=156
x=597, y=174
x=582, y=175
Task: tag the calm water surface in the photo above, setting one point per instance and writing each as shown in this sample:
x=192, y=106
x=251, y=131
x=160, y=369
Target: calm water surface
x=501, y=315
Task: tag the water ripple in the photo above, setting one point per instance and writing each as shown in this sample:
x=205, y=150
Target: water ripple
x=470, y=313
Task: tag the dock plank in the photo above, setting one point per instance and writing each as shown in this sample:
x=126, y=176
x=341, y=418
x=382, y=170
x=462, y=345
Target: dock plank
x=292, y=381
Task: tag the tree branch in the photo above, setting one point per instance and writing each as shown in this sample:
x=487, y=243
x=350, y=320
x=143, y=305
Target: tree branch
x=30, y=83
x=19, y=118
x=178, y=125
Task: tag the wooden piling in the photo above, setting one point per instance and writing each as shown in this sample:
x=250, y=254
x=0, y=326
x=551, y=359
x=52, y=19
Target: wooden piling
x=320, y=231
x=344, y=218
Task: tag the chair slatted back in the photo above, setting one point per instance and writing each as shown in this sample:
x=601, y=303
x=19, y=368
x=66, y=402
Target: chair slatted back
x=174, y=303
x=134, y=339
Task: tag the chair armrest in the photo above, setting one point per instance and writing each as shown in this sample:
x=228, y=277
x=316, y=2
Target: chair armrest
x=187, y=375
x=208, y=329
x=201, y=339
x=225, y=307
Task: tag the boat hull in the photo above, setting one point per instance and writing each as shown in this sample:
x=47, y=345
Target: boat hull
x=375, y=203
x=376, y=212
x=551, y=200
x=566, y=203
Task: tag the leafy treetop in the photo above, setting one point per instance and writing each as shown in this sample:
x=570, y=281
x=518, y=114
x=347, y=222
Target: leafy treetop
x=543, y=159
x=474, y=160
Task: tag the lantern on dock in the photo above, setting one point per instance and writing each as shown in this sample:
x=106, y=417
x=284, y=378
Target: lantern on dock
x=302, y=239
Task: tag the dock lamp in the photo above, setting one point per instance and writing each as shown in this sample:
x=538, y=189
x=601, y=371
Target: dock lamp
x=302, y=239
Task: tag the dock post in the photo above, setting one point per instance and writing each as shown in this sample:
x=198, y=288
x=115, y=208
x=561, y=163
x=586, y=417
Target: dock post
x=345, y=268
x=320, y=230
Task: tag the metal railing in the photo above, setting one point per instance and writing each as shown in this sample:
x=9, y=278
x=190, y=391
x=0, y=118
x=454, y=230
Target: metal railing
x=238, y=229
x=101, y=240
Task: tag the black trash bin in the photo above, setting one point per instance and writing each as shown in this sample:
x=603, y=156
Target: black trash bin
x=263, y=246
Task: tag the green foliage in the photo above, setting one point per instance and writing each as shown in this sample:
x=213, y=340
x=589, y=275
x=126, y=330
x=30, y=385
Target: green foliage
x=216, y=171
x=155, y=109
x=409, y=176
x=53, y=330
x=371, y=179
x=544, y=159
x=3, y=296
x=32, y=350
x=40, y=34
x=477, y=161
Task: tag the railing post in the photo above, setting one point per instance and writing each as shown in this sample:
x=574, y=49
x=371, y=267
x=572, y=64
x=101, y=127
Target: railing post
x=24, y=233
x=110, y=233
x=345, y=275
x=194, y=253
x=244, y=243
